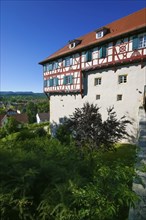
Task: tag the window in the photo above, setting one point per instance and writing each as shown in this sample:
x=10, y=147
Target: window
x=119, y=97
x=103, y=51
x=52, y=82
x=97, y=81
x=55, y=81
x=97, y=97
x=68, y=80
x=45, y=83
x=142, y=41
x=99, y=34
x=68, y=61
x=139, y=42
x=88, y=56
x=55, y=65
x=49, y=67
x=44, y=68
x=72, y=45
x=122, y=79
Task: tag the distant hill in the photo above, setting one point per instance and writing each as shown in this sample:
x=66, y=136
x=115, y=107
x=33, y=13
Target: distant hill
x=29, y=93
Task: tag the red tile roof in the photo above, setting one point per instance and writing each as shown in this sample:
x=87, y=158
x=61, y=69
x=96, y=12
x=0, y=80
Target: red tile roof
x=117, y=28
x=44, y=116
x=23, y=118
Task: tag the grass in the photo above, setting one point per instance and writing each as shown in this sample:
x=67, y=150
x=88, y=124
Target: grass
x=126, y=153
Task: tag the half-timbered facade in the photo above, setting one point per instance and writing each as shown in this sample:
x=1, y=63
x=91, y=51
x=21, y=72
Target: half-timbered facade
x=106, y=67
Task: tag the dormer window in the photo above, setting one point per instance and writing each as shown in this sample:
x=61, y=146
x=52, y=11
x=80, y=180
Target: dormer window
x=74, y=43
x=101, y=32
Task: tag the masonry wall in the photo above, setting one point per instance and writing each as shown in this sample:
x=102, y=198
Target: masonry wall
x=132, y=94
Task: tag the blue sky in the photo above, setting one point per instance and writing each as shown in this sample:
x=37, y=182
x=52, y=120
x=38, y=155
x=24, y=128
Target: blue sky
x=33, y=30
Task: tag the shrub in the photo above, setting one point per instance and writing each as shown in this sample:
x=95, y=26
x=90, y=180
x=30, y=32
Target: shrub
x=88, y=129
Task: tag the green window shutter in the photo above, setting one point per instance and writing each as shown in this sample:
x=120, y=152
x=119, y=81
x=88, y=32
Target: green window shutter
x=71, y=79
x=88, y=56
x=102, y=52
x=56, y=65
x=45, y=83
x=56, y=81
x=50, y=82
x=71, y=61
x=64, y=80
x=44, y=68
x=135, y=43
x=50, y=66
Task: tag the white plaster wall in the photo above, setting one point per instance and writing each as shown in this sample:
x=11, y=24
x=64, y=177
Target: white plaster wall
x=64, y=105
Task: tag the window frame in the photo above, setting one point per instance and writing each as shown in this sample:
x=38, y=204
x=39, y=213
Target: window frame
x=97, y=81
x=142, y=43
x=119, y=97
x=68, y=80
x=98, y=96
x=99, y=34
x=122, y=79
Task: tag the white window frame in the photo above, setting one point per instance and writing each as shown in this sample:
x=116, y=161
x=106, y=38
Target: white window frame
x=97, y=81
x=72, y=45
x=142, y=41
x=122, y=79
x=99, y=34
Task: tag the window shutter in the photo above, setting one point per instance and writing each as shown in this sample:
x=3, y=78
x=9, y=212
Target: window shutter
x=56, y=65
x=50, y=66
x=45, y=83
x=71, y=79
x=64, y=80
x=88, y=56
x=102, y=52
x=44, y=68
x=56, y=81
x=50, y=82
x=135, y=43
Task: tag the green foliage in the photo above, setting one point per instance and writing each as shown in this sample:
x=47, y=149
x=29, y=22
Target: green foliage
x=31, y=112
x=63, y=134
x=24, y=134
x=43, y=179
x=12, y=125
x=40, y=132
x=88, y=129
x=43, y=106
x=3, y=132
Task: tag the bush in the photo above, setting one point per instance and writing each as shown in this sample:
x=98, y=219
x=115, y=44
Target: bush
x=63, y=134
x=88, y=129
x=43, y=179
x=40, y=132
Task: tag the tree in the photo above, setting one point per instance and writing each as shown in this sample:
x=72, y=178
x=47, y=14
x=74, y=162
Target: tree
x=12, y=125
x=88, y=129
x=43, y=106
x=31, y=111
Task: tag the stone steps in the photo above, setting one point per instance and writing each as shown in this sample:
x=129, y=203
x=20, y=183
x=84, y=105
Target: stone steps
x=139, y=212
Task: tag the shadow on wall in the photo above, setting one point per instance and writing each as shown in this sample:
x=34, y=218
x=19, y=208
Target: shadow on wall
x=132, y=130
x=54, y=126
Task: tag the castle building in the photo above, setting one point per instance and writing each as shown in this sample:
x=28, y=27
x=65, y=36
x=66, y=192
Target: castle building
x=106, y=67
